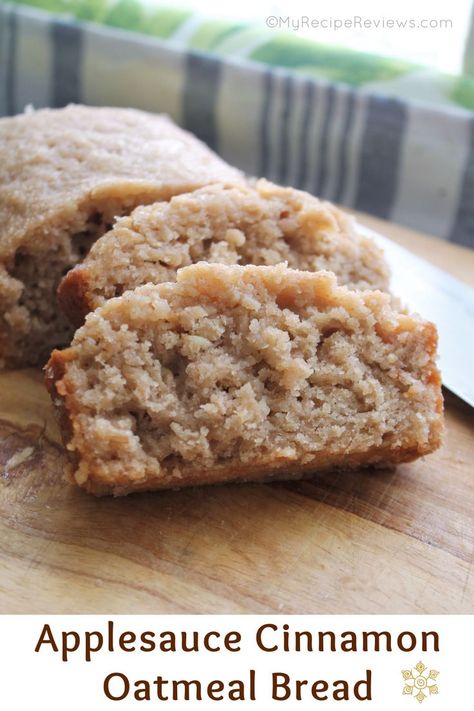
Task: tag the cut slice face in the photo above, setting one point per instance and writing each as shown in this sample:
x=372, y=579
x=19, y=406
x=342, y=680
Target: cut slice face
x=262, y=224
x=65, y=174
x=244, y=373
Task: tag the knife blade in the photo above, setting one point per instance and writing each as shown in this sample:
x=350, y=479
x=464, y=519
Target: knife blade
x=442, y=299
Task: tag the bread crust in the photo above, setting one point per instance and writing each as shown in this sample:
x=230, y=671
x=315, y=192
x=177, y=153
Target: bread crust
x=73, y=295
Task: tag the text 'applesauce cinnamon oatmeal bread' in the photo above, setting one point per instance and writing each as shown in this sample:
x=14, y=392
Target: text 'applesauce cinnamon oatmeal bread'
x=263, y=224
x=244, y=373
x=64, y=175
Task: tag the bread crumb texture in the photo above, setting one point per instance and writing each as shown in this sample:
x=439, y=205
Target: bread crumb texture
x=244, y=373
x=65, y=174
x=261, y=224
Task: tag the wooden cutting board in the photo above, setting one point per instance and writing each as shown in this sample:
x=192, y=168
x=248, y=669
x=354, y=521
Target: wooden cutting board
x=375, y=542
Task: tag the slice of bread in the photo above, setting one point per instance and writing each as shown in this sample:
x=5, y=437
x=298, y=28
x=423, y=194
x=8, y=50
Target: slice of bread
x=244, y=373
x=65, y=174
x=263, y=225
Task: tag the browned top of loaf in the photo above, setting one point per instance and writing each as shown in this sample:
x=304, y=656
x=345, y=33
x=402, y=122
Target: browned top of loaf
x=54, y=160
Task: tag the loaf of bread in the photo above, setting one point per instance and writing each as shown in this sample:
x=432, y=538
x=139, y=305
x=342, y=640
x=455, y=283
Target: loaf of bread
x=238, y=373
x=261, y=224
x=64, y=176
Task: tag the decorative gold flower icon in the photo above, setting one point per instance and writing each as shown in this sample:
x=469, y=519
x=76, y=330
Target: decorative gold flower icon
x=420, y=682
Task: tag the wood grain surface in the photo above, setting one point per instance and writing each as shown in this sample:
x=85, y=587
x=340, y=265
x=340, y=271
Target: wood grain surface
x=372, y=541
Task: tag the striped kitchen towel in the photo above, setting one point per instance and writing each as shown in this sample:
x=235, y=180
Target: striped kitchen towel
x=402, y=161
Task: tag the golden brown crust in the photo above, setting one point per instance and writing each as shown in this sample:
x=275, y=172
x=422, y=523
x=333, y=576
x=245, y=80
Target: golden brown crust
x=378, y=457
x=54, y=372
x=73, y=295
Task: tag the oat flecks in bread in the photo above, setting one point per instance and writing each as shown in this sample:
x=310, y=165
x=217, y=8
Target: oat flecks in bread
x=244, y=373
x=263, y=224
x=65, y=174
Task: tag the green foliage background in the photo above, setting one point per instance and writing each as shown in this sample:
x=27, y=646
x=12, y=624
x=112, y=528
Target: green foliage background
x=125, y=14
